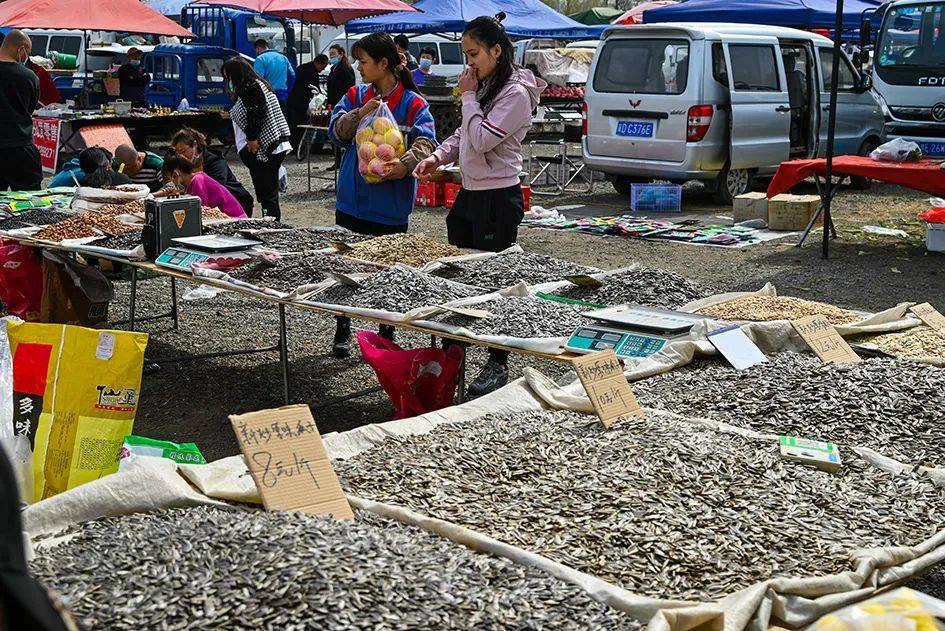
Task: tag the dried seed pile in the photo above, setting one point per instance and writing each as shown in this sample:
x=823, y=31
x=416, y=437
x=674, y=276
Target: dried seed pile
x=409, y=249
x=234, y=227
x=207, y=568
x=308, y=239
x=83, y=225
x=767, y=308
x=662, y=507
x=920, y=341
x=126, y=241
x=290, y=272
x=893, y=406
x=523, y=317
x=641, y=285
x=38, y=217
x=505, y=270
x=398, y=289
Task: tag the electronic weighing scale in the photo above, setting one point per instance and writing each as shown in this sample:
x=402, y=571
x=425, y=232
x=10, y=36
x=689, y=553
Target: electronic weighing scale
x=631, y=330
x=187, y=251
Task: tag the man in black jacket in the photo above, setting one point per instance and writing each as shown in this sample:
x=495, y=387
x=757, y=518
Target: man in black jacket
x=20, y=166
x=307, y=83
x=134, y=79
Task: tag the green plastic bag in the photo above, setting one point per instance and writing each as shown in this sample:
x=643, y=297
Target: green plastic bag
x=183, y=453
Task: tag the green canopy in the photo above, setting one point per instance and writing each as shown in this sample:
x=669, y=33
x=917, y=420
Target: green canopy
x=598, y=15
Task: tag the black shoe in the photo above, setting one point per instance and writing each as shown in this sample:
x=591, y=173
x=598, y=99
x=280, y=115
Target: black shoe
x=492, y=377
x=341, y=347
x=387, y=332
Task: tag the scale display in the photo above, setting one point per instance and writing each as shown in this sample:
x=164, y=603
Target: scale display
x=631, y=330
x=181, y=258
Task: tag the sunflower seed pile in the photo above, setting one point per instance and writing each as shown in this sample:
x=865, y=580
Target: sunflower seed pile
x=767, y=308
x=932, y=583
x=398, y=289
x=920, y=341
x=892, y=406
x=505, y=270
x=290, y=272
x=522, y=317
x=82, y=225
x=640, y=285
x=38, y=217
x=662, y=507
x=209, y=568
x=410, y=249
x=125, y=241
x=308, y=239
x=235, y=227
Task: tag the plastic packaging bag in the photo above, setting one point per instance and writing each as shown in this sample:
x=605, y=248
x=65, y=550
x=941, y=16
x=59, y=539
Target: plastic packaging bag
x=417, y=381
x=379, y=143
x=897, y=150
x=73, y=293
x=902, y=609
x=136, y=446
x=935, y=214
x=21, y=280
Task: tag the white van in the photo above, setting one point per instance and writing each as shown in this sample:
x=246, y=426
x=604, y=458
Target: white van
x=721, y=103
x=449, y=51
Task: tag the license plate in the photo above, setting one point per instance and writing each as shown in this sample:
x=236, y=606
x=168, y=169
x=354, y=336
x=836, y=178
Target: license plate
x=635, y=129
x=932, y=148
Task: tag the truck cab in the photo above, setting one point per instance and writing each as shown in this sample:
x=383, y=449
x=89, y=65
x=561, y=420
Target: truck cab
x=190, y=71
x=238, y=29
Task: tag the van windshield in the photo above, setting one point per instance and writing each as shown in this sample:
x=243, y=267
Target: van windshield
x=913, y=36
x=646, y=66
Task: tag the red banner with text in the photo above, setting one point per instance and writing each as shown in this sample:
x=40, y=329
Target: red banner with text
x=46, y=139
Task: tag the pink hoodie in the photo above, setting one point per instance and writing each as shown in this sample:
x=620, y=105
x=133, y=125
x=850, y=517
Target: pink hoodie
x=488, y=144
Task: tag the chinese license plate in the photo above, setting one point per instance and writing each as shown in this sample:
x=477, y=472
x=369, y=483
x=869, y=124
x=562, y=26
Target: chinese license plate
x=635, y=129
x=932, y=148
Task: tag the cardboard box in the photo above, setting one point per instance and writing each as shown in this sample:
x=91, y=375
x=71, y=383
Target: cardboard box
x=431, y=194
x=792, y=212
x=450, y=193
x=750, y=206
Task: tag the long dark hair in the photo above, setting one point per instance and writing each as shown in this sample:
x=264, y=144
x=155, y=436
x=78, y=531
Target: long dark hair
x=242, y=74
x=341, y=51
x=96, y=163
x=490, y=32
x=177, y=163
x=379, y=46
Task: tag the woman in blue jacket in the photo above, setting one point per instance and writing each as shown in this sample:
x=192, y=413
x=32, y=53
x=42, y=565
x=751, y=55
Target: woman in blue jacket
x=385, y=207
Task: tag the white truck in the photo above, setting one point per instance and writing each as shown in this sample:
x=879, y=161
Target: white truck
x=909, y=70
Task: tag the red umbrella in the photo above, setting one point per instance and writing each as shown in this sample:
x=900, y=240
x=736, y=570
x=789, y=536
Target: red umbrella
x=127, y=16
x=635, y=15
x=333, y=12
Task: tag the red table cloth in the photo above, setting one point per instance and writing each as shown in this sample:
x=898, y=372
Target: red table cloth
x=924, y=175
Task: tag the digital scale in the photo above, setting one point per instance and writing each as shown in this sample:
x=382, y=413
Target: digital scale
x=631, y=330
x=187, y=251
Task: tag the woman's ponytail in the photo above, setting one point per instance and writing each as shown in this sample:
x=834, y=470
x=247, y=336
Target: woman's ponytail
x=96, y=163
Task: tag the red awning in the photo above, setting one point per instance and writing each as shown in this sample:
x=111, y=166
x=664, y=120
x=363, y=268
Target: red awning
x=126, y=16
x=635, y=15
x=332, y=12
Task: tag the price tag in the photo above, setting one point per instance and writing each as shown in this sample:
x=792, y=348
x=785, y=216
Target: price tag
x=824, y=340
x=583, y=280
x=736, y=347
x=479, y=314
x=928, y=314
x=340, y=246
x=285, y=455
x=344, y=279
x=602, y=376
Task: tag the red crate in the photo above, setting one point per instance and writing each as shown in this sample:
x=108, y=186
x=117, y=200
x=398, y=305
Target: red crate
x=431, y=194
x=527, y=197
x=452, y=190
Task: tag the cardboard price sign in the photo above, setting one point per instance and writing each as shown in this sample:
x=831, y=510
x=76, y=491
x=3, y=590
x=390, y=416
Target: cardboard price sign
x=602, y=377
x=930, y=315
x=824, y=340
x=285, y=455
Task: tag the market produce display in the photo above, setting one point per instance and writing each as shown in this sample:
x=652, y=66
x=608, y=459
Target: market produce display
x=767, y=308
x=640, y=285
x=211, y=568
x=308, y=239
x=507, y=269
x=125, y=241
x=234, y=227
x=643, y=228
x=575, y=93
x=410, y=249
x=662, y=507
x=38, y=217
x=287, y=273
x=86, y=224
x=397, y=289
x=521, y=316
x=919, y=342
x=892, y=406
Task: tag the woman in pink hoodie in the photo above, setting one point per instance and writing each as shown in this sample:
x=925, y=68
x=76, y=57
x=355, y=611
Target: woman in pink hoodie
x=498, y=100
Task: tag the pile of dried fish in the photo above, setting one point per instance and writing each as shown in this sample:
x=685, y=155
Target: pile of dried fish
x=917, y=342
x=37, y=217
x=638, y=285
x=893, y=406
x=210, y=568
x=662, y=507
x=290, y=272
x=237, y=226
x=522, y=317
x=308, y=239
x=767, y=308
x=505, y=270
x=409, y=249
x=87, y=224
x=126, y=241
x=397, y=289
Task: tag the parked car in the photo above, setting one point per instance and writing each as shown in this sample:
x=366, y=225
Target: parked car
x=720, y=103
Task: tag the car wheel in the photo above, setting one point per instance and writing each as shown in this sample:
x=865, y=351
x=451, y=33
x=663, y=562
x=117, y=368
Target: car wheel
x=731, y=184
x=622, y=185
x=860, y=182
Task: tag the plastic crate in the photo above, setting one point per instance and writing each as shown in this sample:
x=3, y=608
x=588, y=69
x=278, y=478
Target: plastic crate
x=431, y=194
x=935, y=237
x=658, y=198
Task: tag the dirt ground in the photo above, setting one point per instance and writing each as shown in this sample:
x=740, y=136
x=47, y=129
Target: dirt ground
x=190, y=401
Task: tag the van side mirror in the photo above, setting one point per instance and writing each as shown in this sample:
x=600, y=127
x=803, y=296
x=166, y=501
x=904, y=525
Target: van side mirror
x=866, y=83
x=865, y=32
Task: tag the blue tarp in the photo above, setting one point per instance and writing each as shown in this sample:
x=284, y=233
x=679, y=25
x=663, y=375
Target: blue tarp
x=524, y=18
x=803, y=14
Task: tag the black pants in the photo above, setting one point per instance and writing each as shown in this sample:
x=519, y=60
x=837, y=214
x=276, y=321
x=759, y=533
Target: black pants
x=486, y=220
x=20, y=169
x=265, y=176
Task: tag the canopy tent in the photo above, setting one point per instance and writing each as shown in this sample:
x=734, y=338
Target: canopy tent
x=330, y=12
x=635, y=15
x=126, y=16
x=597, y=15
x=803, y=14
x=524, y=18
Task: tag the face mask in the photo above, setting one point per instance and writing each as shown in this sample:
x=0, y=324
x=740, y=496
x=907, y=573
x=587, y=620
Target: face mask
x=426, y=64
x=135, y=62
x=334, y=61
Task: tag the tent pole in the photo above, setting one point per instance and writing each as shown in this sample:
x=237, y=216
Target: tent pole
x=832, y=127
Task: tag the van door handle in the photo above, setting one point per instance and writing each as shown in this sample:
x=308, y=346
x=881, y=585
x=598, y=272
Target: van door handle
x=783, y=108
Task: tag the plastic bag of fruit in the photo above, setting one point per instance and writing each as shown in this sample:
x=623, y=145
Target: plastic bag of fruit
x=380, y=143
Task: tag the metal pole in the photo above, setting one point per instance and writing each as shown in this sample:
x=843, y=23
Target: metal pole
x=832, y=127
x=174, y=303
x=134, y=291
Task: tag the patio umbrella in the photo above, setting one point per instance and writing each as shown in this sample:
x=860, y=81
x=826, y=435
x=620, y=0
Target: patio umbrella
x=126, y=16
x=330, y=12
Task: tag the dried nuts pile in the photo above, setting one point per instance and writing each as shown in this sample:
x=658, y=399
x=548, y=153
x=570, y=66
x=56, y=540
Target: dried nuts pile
x=415, y=250
x=87, y=224
x=767, y=308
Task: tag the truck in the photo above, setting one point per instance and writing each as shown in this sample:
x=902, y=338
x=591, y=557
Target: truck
x=238, y=29
x=908, y=69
